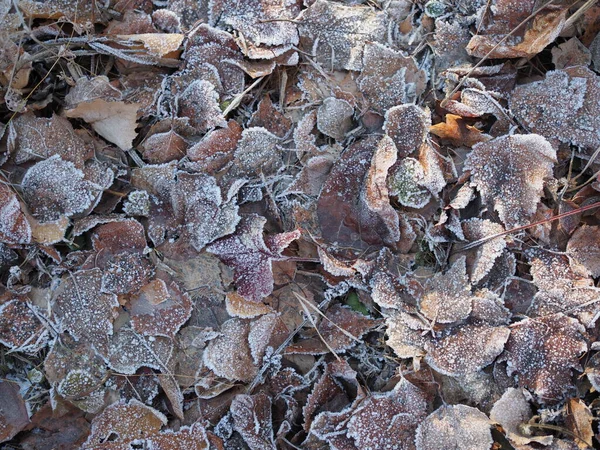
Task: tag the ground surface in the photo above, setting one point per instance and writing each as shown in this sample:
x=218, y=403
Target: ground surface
x=285, y=224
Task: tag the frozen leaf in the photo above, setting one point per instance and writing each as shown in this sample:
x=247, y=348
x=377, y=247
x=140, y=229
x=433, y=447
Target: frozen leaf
x=206, y=215
x=14, y=226
x=164, y=147
x=542, y=353
x=571, y=53
x=334, y=118
x=162, y=45
x=388, y=78
x=389, y=420
x=20, y=328
x=39, y=138
x=311, y=178
x=257, y=153
x=406, y=183
x=83, y=389
x=408, y=126
x=469, y=349
x=229, y=355
x=481, y=262
x=54, y=188
x=186, y=438
x=509, y=172
x=250, y=256
x=451, y=39
x=455, y=130
x=215, y=150
x=69, y=10
x=238, y=306
x=252, y=419
x=584, y=247
x=200, y=104
x=159, y=310
x=511, y=411
x=525, y=41
x=349, y=220
x=336, y=34
x=128, y=351
x=137, y=204
x=447, y=297
x=13, y=410
x=563, y=107
x=455, y=426
x=83, y=309
x=122, y=423
x=270, y=118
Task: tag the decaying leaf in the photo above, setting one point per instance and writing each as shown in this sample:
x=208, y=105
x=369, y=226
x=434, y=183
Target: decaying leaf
x=512, y=178
x=579, y=421
x=455, y=426
x=584, y=247
x=14, y=226
x=542, y=353
x=20, y=328
x=334, y=118
x=482, y=261
x=250, y=256
x=199, y=102
x=252, y=419
x=408, y=126
x=13, y=411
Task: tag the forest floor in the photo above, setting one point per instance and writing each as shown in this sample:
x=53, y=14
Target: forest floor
x=299, y=224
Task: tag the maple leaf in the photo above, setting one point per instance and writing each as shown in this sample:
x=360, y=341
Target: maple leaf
x=249, y=254
x=509, y=172
x=563, y=107
x=542, y=352
x=336, y=34
x=454, y=426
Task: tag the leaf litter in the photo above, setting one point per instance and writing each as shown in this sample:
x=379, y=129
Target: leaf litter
x=286, y=224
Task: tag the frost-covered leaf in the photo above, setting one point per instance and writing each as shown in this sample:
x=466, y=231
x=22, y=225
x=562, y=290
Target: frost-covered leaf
x=128, y=351
x=122, y=423
x=511, y=411
x=571, y=53
x=269, y=117
x=336, y=34
x=492, y=40
x=563, y=107
x=162, y=147
x=157, y=44
x=468, y=350
x=215, y=150
x=481, y=261
x=252, y=419
x=199, y=102
x=258, y=153
x=455, y=426
x=388, y=78
x=187, y=437
x=14, y=226
x=542, y=352
x=238, y=306
x=334, y=118
x=39, y=138
x=54, y=188
x=158, y=309
x=447, y=297
x=13, y=410
x=389, y=420
x=584, y=247
x=408, y=126
x=83, y=309
x=205, y=213
x=250, y=256
x=406, y=183
x=20, y=328
x=509, y=172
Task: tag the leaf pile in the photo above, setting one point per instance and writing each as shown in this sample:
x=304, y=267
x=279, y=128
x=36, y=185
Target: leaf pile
x=299, y=224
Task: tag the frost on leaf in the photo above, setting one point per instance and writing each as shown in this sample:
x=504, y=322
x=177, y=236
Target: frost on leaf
x=481, y=261
x=128, y=351
x=511, y=411
x=20, y=328
x=14, y=226
x=199, y=102
x=83, y=309
x=54, y=188
x=563, y=107
x=336, y=34
x=447, y=297
x=334, y=118
x=39, y=138
x=542, y=352
x=250, y=254
x=468, y=350
x=349, y=220
x=406, y=183
x=258, y=152
x=188, y=438
x=509, y=173
x=215, y=150
x=584, y=247
x=157, y=44
x=122, y=423
x=228, y=355
x=389, y=78
x=199, y=205
x=455, y=426
x=13, y=410
x=238, y=306
x=408, y=126
x=389, y=420
x=98, y=103
x=158, y=309
x=252, y=419
x=525, y=40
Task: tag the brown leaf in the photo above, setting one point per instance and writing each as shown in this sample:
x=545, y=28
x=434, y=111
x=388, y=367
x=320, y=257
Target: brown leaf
x=14, y=226
x=13, y=411
x=579, y=421
x=334, y=118
x=584, y=247
x=455, y=130
x=408, y=126
x=252, y=419
x=199, y=102
x=20, y=328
